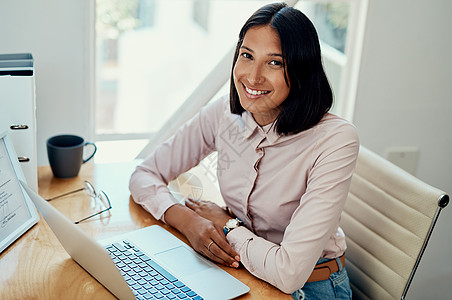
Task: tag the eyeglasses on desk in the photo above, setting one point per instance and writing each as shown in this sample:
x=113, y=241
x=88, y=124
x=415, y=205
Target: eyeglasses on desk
x=99, y=197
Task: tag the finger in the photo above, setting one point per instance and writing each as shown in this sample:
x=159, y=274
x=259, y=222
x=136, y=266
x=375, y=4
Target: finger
x=208, y=251
x=223, y=243
x=223, y=256
x=223, y=250
x=198, y=206
x=193, y=202
x=190, y=203
x=210, y=244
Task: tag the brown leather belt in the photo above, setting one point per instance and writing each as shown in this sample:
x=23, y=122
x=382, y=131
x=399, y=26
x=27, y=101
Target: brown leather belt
x=324, y=270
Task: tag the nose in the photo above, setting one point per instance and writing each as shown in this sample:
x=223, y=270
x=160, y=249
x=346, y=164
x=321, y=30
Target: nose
x=256, y=75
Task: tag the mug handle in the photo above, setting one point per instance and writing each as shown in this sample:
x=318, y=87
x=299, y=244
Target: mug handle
x=94, y=152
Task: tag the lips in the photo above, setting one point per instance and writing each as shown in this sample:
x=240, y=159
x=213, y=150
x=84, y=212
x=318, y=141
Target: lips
x=254, y=92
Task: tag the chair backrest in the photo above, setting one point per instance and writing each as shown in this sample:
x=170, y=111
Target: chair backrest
x=388, y=218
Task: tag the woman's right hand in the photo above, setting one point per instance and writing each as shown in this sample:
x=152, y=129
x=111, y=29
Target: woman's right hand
x=204, y=236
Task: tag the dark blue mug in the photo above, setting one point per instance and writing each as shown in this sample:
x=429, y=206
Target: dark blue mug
x=65, y=153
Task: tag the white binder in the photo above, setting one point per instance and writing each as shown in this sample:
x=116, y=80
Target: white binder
x=18, y=110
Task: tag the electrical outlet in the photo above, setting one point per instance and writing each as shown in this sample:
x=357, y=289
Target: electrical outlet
x=404, y=157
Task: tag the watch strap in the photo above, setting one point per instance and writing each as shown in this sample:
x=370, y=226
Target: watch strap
x=226, y=230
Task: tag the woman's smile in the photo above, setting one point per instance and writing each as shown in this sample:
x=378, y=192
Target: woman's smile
x=254, y=92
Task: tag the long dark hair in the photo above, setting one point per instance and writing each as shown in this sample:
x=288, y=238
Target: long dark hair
x=310, y=95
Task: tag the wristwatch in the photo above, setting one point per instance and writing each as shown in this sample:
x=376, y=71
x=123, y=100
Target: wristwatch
x=232, y=224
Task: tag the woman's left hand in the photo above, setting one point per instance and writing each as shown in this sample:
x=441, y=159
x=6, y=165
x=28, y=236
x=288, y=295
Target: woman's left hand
x=209, y=210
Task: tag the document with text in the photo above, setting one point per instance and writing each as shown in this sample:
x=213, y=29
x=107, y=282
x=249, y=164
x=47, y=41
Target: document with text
x=15, y=213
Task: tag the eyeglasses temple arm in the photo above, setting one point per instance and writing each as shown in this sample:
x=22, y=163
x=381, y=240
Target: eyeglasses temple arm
x=65, y=194
x=98, y=213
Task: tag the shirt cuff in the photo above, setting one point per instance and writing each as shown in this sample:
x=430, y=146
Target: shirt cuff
x=238, y=238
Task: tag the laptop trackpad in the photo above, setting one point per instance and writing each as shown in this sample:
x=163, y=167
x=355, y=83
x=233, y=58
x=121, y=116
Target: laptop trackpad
x=182, y=261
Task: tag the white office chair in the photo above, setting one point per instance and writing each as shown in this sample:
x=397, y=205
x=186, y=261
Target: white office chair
x=388, y=219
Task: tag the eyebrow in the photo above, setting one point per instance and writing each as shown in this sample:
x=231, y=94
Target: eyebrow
x=269, y=54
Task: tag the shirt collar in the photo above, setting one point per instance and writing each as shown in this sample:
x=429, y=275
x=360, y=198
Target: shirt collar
x=252, y=127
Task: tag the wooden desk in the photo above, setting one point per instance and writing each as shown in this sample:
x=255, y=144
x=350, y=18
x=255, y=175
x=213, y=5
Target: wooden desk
x=37, y=267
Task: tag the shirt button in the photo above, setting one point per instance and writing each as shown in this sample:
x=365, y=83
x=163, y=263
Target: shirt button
x=260, y=152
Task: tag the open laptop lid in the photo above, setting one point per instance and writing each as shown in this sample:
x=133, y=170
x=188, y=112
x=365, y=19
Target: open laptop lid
x=84, y=250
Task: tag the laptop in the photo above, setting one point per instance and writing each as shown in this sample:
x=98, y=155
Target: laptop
x=173, y=268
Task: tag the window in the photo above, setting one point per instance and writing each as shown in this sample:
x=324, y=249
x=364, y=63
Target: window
x=331, y=22
x=152, y=54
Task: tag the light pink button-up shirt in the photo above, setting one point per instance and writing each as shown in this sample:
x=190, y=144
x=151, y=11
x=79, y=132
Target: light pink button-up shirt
x=288, y=190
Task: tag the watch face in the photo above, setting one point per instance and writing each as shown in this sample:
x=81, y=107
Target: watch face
x=232, y=223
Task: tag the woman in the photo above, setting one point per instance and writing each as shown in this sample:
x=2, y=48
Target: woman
x=284, y=163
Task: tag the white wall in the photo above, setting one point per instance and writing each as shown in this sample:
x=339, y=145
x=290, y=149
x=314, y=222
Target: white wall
x=404, y=98
x=54, y=32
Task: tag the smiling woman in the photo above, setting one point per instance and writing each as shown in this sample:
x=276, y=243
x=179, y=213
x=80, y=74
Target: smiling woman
x=284, y=164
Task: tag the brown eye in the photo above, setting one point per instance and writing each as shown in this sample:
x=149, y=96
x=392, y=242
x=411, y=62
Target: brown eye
x=246, y=55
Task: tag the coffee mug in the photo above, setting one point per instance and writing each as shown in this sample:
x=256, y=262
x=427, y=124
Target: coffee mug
x=65, y=153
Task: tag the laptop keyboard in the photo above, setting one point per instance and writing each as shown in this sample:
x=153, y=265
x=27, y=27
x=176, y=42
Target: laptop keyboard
x=145, y=277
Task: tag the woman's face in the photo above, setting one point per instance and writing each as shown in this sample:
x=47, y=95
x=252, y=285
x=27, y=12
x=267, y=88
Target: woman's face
x=259, y=74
